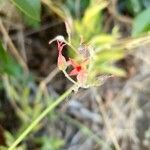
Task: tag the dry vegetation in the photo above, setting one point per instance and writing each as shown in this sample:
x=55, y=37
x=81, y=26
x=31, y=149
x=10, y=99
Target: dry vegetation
x=114, y=115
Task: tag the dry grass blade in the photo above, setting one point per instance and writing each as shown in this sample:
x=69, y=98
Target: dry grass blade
x=12, y=47
x=106, y=121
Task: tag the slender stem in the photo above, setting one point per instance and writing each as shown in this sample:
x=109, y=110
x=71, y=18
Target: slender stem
x=71, y=46
x=40, y=117
x=67, y=76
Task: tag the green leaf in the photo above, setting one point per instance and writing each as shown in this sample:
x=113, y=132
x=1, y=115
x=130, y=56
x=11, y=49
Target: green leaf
x=74, y=10
x=3, y=148
x=91, y=22
x=136, y=5
x=31, y=8
x=92, y=11
x=1, y=1
x=141, y=22
x=112, y=70
x=108, y=56
x=8, y=64
x=31, y=22
x=51, y=143
x=102, y=39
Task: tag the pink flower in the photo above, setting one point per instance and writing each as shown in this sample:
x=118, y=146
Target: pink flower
x=61, y=61
x=79, y=70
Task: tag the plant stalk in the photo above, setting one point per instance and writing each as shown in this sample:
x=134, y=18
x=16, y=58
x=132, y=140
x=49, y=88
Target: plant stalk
x=40, y=117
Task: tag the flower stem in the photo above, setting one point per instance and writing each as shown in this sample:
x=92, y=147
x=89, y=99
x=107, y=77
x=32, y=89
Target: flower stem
x=71, y=46
x=40, y=117
x=67, y=76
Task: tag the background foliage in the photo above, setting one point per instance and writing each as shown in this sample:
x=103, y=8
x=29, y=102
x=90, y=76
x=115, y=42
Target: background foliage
x=112, y=31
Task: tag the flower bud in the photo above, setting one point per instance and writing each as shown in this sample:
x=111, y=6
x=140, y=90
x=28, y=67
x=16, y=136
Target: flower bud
x=61, y=62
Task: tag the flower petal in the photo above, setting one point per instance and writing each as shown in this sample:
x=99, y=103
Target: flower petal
x=73, y=72
x=73, y=63
x=82, y=77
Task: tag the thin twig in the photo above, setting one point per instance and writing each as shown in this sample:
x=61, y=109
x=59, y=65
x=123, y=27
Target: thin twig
x=50, y=76
x=106, y=120
x=44, y=82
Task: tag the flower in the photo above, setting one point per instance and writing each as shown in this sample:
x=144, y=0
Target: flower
x=79, y=70
x=61, y=61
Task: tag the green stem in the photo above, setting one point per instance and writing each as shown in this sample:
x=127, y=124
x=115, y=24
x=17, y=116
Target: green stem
x=40, y=117
x=71, y=46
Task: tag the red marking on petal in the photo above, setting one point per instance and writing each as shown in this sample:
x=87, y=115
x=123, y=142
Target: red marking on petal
x=78, y=68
